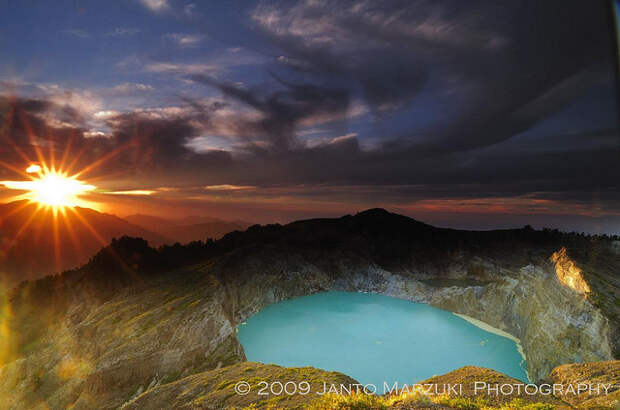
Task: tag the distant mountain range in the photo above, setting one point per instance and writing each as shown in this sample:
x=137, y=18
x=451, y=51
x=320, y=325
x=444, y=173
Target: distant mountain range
x=187, y=229
x=34, y=243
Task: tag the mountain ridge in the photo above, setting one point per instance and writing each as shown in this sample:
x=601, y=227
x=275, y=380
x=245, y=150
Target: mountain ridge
x=36, y=241
x=187, y=229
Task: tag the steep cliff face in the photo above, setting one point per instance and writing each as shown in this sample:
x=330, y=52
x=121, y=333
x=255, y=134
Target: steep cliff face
x=101, y=356
x=553, y=324
x=150, y=331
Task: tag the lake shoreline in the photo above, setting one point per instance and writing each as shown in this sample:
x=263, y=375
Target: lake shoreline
x=485, y=326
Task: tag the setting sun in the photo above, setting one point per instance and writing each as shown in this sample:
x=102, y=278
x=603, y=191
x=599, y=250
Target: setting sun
x=51, y=188
x=56, y=189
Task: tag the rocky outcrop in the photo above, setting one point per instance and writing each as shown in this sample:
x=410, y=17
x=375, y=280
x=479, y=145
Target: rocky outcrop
x=495, y=388
x=220, y=389
x=568, y=273
x=597, y=385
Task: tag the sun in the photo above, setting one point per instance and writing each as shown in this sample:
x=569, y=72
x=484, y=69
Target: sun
x=58, y=190
x=51, y=188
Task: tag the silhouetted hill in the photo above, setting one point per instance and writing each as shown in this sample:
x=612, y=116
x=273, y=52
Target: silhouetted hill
x=390, y=241
x=148, y=220
x=34, y=243
x=395, y=241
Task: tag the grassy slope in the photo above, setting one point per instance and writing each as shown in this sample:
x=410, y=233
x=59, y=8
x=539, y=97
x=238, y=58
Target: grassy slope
x=607, y=373
x=216, y=388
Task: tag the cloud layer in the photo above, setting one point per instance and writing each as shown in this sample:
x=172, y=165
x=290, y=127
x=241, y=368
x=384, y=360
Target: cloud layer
x=423, y=105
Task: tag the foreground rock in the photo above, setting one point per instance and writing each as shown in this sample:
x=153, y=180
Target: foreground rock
x=491, y=386
x=215, y=389
x=607, y=373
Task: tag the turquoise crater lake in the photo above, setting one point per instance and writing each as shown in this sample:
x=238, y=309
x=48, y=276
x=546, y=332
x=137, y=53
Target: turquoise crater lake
x=373, y=338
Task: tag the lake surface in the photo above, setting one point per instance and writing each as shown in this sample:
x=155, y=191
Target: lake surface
x=373, y=338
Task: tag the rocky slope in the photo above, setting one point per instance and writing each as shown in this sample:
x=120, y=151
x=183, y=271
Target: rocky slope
x=589, y=374
x=130, y=322
x=475, y=388
x=216, y=388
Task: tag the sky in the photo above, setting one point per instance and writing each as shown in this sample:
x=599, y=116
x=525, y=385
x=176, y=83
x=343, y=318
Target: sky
x=477, y=114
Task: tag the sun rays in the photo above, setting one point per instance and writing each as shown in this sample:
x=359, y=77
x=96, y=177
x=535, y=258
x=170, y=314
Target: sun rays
x=51, y=188
x=50, y=180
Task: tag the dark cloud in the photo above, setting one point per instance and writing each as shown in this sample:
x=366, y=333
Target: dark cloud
x=157, y=140
x=35, y=130
x=153, y=145
x=157, y=146
x=515, y=63
x=140, y=142
x=27, y=125
x=283, y=110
